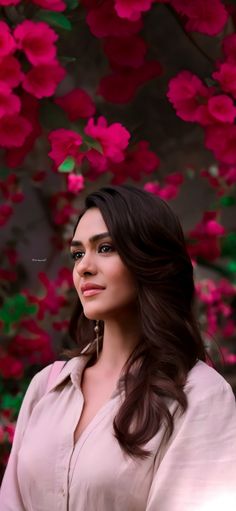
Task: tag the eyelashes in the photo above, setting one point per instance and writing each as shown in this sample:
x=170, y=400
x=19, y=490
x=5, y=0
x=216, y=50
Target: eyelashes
x=76, y=253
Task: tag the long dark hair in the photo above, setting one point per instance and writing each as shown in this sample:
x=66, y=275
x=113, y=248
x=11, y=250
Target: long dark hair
x=149, y=239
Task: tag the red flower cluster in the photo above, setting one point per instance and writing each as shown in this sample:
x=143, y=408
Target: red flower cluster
x=216, y=308
x=118, y=24
x=206, y=16
x=204, y=239
x=213, y=107
x=36, y=42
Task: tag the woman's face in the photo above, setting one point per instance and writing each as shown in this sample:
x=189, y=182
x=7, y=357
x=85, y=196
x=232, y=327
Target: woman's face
x=97, y=262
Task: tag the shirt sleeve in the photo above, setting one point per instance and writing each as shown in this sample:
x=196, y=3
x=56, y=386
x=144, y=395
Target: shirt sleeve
x=10, y=498
x=198, y=469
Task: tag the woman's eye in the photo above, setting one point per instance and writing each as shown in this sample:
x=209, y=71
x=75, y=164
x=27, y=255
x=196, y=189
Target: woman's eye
x=106, y=247
x=74, y=254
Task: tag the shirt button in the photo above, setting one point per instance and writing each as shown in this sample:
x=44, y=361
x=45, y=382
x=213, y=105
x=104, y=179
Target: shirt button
x=63, y=492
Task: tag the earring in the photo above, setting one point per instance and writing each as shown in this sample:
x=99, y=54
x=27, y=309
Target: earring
x=96, y=330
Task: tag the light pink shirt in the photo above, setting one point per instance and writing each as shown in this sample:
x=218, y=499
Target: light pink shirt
x=195, y=471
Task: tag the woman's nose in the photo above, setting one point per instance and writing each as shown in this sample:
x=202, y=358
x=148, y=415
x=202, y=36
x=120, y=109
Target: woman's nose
x=87, y=264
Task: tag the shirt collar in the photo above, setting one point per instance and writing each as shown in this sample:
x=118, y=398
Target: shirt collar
x=73, y=369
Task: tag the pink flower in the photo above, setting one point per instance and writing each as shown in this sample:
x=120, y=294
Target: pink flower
x=229, y=358
x=9, y=102
x=186, y=93
x=221, y=139
x=204, y=238
x=126, y=51
x=9, y=2
x=121, y=86
x=228, y=173
x=10, y=367
x=42, y=80
x=229, y=48
x=208, y=226
x=52, y=5
x=118, y=87
x=206, y=16
x=7, y=43
x=50, y=300
x=169, y=190
x=75, y=183
x=10, y=71
x=132, y=9
x=77, y=104
x=219, y=108
x=65, y=143
x=37, y=40
x=30, y=110
x=113, y=139
x=13, y=130
x=226, y=76
x=103, y=21
x=138, y=160
x=61, y=209
x=6, y=211
x=98, y=164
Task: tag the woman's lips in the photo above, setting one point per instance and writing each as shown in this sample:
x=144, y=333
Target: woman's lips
x=91, y=292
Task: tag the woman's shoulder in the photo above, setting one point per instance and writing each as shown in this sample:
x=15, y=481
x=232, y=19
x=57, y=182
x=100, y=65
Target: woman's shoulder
x=203, y=380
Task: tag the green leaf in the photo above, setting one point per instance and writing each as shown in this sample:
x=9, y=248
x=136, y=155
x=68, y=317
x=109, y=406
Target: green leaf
x=231, y=266
x=67, y=165
x=4, y=172
x=55, y=19
x=71, y=4
x=227, y=200
x=228, y=244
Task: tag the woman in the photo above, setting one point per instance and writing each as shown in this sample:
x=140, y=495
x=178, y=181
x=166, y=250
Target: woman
x=136, y=420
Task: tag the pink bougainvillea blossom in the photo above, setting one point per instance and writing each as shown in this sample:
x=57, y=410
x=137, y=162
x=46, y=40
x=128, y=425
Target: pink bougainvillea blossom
x=133, y=9
x=204, y=238
x=221, y=140
x=139, y=160
x=219, y=109
x=103, y=21
x=7, y=42
x=6, y=211
x=10, y=367
x=42, y=80
x=114, y=138
x=208, y=226
x=61, y=208
x=186, y=92
x=205, y=16
x=50, y=300
x=13, y=130
x=10, y=71
x=9, y=102
x=11, y=189
x=121, y=86
x=126, y=51
x=75, y=183
x=118, y=87
x=229, y=48
x=37, y=40
x=65, y=143
x=30, y=110
x=52, y=5
x=226, y=76
x=228, y=173
x=77, y=104
x=170, y=188
x=98, y=164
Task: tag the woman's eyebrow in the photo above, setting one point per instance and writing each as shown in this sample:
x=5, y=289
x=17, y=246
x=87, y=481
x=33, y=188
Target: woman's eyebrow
x=96, y=237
